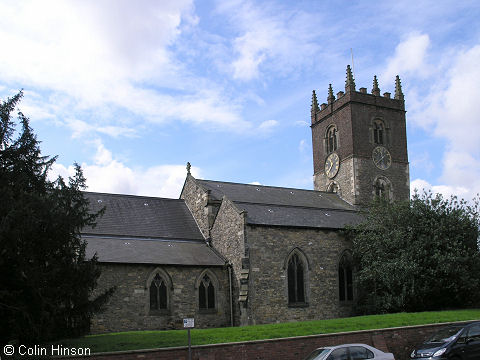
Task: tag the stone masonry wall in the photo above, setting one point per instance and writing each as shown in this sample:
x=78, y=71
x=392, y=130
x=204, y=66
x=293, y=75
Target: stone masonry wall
x=196, y=199
x=358, y=187
x=228, y=239
x=397, y=174
x=268, y=297
x=128, y=308
x=345, y=180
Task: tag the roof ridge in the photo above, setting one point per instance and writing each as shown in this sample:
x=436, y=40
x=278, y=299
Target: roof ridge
x=295, y=206
x=141, y=238
x=132, y=196
x=266, y=186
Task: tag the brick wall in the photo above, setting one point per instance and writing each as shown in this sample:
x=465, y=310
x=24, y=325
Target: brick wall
x=400, y=341
x=353, y=114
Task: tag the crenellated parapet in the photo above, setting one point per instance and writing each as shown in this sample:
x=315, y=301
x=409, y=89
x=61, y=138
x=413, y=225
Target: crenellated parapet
x=318, y=113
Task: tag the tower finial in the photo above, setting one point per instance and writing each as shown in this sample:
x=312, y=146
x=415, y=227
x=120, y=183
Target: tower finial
x=375, y=89
x=350, y=82
x=314, y=103
x=398, y=89
x=188, y=168
x=331, y=97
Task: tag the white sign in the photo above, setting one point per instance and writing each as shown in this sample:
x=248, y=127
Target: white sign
x=189, y=323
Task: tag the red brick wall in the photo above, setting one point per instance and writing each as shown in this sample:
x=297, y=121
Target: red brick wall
x=400, y=341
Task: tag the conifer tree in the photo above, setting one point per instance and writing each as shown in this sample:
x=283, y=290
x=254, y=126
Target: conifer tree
x=46, y=283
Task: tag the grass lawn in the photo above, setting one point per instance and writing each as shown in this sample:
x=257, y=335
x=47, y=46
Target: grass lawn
x=133, y=340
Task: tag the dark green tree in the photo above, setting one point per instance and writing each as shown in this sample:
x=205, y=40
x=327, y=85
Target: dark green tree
x=417, y=255
x=46, y=283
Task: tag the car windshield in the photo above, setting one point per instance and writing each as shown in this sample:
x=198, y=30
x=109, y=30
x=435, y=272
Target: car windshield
x=318, y=354
x=445, y=335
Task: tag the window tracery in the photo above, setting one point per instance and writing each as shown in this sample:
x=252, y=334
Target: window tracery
x=333, y=188
x=345, y=278
x=331, y=141
x=382, y=188
x=158, y=293
x=296, y=280
x=206, y=293
x=378, y=132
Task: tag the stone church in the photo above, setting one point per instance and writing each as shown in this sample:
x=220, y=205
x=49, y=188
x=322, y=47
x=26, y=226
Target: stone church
x=230, y=254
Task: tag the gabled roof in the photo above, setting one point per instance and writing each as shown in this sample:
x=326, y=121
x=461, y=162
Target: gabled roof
x=295, y=216
x=146, y=230
x=261, y=194
x=142, y=217
x=142, y=251
x=279, y=206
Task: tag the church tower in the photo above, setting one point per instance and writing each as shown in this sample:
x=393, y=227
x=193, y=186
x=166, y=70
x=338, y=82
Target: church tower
x=360, y=143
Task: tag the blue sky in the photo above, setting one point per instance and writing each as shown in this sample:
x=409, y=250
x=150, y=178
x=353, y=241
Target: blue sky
x=132, y=90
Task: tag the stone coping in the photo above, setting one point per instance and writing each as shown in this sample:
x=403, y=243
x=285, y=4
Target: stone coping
x=276, y=339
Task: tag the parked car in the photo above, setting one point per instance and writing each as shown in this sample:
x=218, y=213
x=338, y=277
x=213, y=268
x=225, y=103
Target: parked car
x=349, y=352
x=456, y=342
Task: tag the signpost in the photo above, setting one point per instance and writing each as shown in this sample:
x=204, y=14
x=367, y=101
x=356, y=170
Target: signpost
x=188, y=324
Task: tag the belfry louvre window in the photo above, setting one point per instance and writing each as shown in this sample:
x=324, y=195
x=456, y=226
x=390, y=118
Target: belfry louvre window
x=382, y=189
x=331, y=139
x=345, y=279
x=378, y=132
x=296, y=280
x=206, y=294
x=158, y=294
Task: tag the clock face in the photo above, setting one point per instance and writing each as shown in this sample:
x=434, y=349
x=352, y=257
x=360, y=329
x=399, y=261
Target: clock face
x=381, y=158
x=331, y=165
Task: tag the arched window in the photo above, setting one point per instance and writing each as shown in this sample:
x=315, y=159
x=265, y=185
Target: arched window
x=382, y=188
x=158, y=294
x=206, y=293
x=296, y=280
x=333, y=188
x=331, y=141
x=345, y=278
x=379, y=130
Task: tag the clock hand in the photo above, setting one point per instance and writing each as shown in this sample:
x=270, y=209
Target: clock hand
x=381, y=158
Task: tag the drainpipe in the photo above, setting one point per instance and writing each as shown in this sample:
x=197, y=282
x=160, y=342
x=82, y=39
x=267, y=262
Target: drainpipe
x=231, y=292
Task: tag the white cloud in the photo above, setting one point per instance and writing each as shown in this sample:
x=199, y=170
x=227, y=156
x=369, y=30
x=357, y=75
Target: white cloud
x=409, y=57
x=103, y=156
x=457, y=107
x=301, y=123
x=52, y=42
x=450, y=111
x=267, y=125
x=446, y=191
x=94, y=55
x=270, y=38
x=109, y=175
x=421, y=161
x=461, y=170
x=81, y=128
x=302, y=146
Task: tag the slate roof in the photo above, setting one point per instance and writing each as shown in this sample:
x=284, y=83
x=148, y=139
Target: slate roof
x=146, y=230
x=142, y=251
x=278, y=206
x=298, y=216
x=142, y=216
